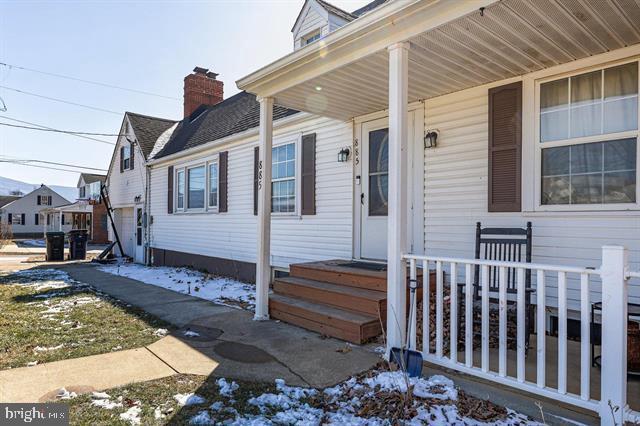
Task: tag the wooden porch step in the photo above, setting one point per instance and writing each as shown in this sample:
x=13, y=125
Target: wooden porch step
x=354, y=299
x=335, y=322
x=333, y=271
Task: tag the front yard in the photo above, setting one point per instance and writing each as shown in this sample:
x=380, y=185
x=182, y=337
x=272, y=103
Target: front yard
x=47, y=316
x=378, y=397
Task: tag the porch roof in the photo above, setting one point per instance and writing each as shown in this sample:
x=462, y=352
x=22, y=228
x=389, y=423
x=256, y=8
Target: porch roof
x=454, y=46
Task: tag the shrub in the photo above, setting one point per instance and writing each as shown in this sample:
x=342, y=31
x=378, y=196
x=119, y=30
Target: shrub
x=6, y=235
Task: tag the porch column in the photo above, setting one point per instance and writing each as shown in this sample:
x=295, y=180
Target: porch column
x=263, y=261
x=60, y=220
x=397, y=215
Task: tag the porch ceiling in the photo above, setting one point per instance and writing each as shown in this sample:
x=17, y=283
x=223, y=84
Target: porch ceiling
x=511, y=38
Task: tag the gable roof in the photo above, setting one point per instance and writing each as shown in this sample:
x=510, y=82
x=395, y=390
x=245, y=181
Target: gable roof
x=91, y=178
x=148, y=129
x=326, y=6
x=337, y=11
x=236, y=114
x=368, y=7
x=6, y=199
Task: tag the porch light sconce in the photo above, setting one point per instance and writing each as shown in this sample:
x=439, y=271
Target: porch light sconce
x=343, y=155
x=431, y=139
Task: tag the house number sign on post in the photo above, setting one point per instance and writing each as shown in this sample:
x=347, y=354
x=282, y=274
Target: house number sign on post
x=259, y=174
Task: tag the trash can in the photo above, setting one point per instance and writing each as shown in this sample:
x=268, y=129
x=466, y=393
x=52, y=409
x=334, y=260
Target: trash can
x=55, y=246
x=78, y=244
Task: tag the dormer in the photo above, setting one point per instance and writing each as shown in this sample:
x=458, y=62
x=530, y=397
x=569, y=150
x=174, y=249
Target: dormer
x=317, y=19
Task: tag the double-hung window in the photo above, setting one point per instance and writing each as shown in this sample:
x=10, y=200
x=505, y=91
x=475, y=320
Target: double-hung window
x=180, y=190
x=588, y=137
x=126, y=157
x=196, y=183
x=212, y=196
x=283, y=178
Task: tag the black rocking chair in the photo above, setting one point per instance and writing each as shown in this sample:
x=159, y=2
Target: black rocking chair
x=501, y=244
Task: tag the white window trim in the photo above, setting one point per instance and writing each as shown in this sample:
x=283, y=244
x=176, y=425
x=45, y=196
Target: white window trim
x=311, y=34
x=538, y=146
x=185, y=167
x=297, y=140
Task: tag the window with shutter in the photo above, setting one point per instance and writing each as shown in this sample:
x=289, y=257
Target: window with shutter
x=505, y=147
x=37, y=219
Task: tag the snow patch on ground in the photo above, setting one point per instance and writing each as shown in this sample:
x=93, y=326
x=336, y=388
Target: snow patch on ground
x=225, y=291
x=227, y=389
x=190, y=333
x=34, y=243
x=43, y=279
x=189, y=399
x=132, y=415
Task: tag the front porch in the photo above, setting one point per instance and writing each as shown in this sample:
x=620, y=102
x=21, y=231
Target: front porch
x=501, y=52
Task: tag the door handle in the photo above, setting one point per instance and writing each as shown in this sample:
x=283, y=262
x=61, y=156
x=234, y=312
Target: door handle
x=362, y=198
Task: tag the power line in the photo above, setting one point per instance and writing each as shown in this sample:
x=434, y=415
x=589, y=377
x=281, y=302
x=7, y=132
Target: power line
x=68, y=132
x=51, y=128
x=97, y=83
x=62, y=101
x=10, y=159
x=41, y=167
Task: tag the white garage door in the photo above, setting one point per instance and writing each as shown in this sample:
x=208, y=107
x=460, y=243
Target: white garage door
x=126, y=231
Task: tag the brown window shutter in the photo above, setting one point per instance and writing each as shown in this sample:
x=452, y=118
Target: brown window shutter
x=36, y=219
x=50, y=200
x=223, y=161
x=170, y=191
x=131, y=151
x=121, y=159
x=505, y=148
x=256, y=161
x=39, y=200
x=309, y=174
x=23, y=219
x=10, y=218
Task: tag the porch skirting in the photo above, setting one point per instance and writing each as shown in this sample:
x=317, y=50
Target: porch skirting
x=242, y=271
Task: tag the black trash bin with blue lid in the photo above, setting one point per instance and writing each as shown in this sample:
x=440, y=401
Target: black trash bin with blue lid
x=55, y=246
x=78, y=244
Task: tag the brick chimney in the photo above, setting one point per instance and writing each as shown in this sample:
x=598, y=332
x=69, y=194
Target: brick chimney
x=201, y=88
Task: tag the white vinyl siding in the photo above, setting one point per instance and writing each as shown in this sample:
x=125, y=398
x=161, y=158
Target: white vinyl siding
x=456, y=173
x=326, y=235
x=124, y=188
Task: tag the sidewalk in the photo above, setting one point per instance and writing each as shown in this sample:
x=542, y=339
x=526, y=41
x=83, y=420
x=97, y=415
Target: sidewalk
x=230, y=344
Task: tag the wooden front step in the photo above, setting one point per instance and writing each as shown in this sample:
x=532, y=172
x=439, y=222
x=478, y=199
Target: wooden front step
x=332, y=271
x=325, y=319
x=351, y=298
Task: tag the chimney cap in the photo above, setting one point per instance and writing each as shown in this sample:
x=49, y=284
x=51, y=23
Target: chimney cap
x=200, y=70
x=212, y=74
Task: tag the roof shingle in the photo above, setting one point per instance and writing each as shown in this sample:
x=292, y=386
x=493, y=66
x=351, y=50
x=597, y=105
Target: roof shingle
x=148, y=129
x=233, y=115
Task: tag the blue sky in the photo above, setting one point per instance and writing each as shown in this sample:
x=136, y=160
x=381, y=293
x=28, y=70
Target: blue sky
x=148, y=46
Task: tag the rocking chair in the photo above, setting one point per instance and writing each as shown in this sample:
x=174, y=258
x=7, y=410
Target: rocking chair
x=506, y=245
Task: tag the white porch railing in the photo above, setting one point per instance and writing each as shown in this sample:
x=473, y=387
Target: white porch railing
x=613, y=274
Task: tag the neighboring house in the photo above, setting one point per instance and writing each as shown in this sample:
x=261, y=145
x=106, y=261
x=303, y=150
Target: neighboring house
x=24, y=213
x=4, y=200
x=127, y=180
x=88, y=212
x=417, y=120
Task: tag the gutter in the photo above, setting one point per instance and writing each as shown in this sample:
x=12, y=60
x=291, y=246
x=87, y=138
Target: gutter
x=287, y=121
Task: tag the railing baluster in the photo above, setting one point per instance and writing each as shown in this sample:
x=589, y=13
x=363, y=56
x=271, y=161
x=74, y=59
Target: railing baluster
x=541, y=328
x=468, y=316
x=413, y=318
x=485, y=318
x=585, y=361
x=453, y=310
x=439, y=313
x=562, y=332
x=521, y=321
x=426, y=332
x=502, y=321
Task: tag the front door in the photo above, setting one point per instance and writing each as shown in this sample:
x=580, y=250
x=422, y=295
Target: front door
x=139, y=236
x=374, y=178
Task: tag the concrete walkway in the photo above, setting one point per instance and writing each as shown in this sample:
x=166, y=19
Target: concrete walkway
x=230, y=344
